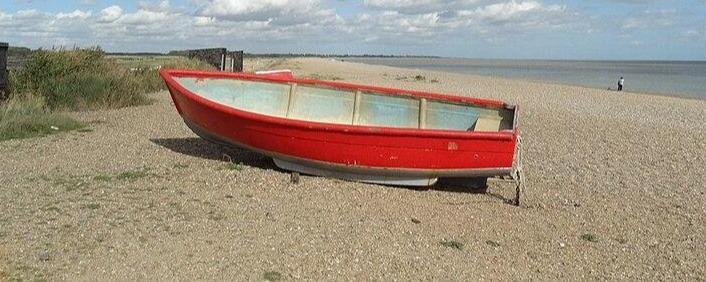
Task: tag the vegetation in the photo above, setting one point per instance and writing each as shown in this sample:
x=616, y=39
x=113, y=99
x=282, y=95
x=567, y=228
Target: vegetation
x=452, y=244
x=272, y=276
x=134, y=174
x=317, y=76
x=180, y=165
x=78, y=80
x=93, y=206
x=81, y=79
x=589, y=237
x=234, y=166
x=20, y=52
x=27, y=116
x=492, y=243
x=146, y=69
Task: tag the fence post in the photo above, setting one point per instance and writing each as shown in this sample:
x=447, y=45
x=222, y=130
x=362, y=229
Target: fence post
x=220, y=58
x=213, y=56
x=238, y=61
x=224, y=54
x=3, y=70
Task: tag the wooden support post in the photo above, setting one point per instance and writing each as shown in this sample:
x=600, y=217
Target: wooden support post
x=3, y=71
x=518, y=172
x=294, y=177
x=517, y=194
x=223, y=61
x=423, y=113
x=213, y=56
x=356, y=108
x=290, y=102
x=238, y=61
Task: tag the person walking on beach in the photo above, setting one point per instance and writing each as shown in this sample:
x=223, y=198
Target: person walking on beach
x=621, y=81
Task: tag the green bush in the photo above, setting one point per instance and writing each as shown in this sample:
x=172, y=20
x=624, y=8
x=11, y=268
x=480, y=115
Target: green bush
x=81, y=79
x=27, y=116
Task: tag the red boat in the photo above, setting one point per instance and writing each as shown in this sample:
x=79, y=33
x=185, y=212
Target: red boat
x=349, y=131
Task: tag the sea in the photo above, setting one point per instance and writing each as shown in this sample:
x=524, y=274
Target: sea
x=671, y=78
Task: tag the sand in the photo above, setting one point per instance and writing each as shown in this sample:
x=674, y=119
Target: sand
x=615, y=190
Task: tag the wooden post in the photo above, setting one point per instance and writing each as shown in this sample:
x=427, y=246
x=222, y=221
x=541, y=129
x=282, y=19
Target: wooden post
x=3, y=70
x=219, y=58
x=213, y=56
x=238, y=61
x=223, y=60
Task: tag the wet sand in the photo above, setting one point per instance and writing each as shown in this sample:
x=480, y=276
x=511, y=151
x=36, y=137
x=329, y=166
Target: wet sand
x=615, y=190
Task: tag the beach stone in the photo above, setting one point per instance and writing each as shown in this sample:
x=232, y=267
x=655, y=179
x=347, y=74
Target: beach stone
x=44, y=255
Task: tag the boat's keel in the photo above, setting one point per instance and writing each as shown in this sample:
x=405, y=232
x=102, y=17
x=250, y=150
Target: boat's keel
x=377, y=179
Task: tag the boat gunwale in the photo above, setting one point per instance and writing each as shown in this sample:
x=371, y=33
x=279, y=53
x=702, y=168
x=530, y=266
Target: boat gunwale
x=505, y=135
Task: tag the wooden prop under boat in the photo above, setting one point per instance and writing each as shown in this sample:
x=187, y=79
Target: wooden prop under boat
x=355, y=132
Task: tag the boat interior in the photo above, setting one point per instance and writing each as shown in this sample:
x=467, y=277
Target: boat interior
x=324, y=104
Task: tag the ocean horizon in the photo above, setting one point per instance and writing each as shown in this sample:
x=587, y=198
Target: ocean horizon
x=685, y=79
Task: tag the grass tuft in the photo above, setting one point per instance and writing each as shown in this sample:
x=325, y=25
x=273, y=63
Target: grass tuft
x=452, y=244
x=329, y=77
x=180, y=165
x=492, y=243
x=27, y=116
x=104, y=178
x=70, y=183
x=235, y=166
x=133, y=174
x=589, y=237
x=272, y=276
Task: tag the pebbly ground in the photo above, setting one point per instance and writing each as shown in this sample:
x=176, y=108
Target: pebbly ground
x=616, y=190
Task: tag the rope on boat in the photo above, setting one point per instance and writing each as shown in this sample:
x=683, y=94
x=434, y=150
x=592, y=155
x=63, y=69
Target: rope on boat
x=518, y=174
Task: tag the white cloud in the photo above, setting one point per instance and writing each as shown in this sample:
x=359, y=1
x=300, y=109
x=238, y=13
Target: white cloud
x=423, y=6
x=649, y=19
x=296, y=20
x=144, y=17
x=28, y=14
x=314, y=24
x=76, y=14
x=503, y=11
x=518, y=14
x=110, y=14
x=486, y=19
x=282, y=11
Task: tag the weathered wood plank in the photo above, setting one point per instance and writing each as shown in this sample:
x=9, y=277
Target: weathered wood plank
x=3, y=70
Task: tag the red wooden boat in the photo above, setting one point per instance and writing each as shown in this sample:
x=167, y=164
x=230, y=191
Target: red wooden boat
x=356, y=132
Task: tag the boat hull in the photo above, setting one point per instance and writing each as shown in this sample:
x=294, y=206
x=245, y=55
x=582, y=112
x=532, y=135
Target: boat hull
x=360, y=153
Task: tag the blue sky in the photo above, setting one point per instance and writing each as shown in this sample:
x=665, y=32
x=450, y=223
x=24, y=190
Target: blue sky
x=597, y=29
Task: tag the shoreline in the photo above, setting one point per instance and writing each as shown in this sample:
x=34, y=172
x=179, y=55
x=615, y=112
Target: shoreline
x=551, y=82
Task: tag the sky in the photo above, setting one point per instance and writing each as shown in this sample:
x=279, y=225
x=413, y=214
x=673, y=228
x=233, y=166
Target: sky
x=516, y=29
